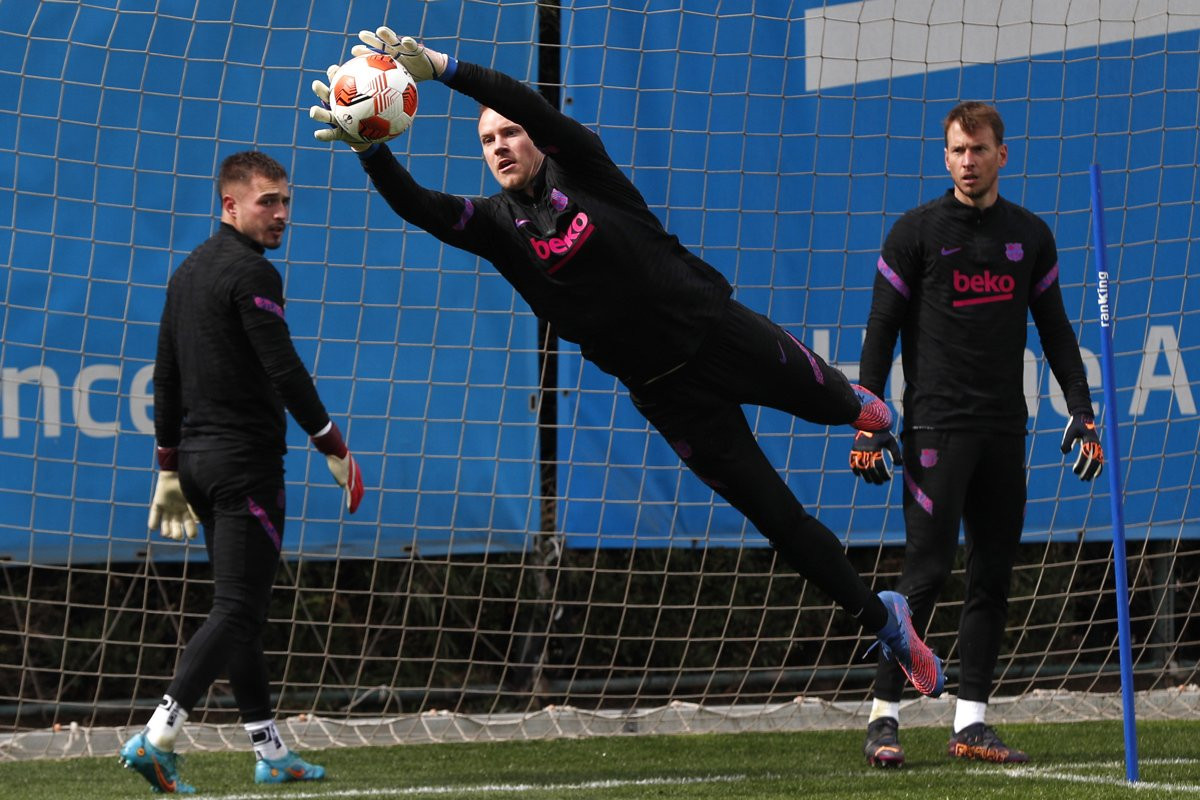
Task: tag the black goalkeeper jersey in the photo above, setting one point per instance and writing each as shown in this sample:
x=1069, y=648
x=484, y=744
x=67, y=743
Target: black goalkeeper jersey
x=226, y=366
x=958, y=285
x=586, y=253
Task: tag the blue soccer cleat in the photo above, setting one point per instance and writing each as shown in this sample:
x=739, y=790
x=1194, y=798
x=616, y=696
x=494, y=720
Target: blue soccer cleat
x=874, y=415
x=901, y=642
x=158, y=767
x=289, y=768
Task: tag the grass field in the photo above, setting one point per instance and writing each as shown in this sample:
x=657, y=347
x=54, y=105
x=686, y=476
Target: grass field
x=1070, y=762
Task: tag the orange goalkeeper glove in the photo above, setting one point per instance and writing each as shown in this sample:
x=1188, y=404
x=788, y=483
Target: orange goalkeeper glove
x=872, y=455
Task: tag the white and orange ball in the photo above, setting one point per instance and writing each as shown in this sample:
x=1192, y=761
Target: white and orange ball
x=373, y=97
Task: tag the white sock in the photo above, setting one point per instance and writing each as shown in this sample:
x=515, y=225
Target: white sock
x=968, y=712
x=165, y=723
x=265, y=738
x=884, y=708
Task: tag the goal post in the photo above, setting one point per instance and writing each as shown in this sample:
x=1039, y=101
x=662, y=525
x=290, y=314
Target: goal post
x=531, y=559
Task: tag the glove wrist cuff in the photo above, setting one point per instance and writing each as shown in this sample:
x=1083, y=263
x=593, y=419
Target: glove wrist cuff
x=330, y=442
x=168, y=458
x=448, y=72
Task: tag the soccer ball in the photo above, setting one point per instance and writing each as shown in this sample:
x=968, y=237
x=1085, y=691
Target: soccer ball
x=373, y=97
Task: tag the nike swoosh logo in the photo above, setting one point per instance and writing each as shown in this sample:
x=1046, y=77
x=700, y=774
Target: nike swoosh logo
x=166, y=784
x=782, y=355
x=949, y=251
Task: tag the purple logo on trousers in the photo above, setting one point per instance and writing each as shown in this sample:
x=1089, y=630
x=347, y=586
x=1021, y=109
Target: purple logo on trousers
x=265, y=521
x=929, y=458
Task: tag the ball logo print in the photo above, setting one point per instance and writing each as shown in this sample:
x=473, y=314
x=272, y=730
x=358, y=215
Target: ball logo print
x=373, y=97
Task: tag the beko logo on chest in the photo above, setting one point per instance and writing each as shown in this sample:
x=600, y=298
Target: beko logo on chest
x=576, y=234
x=987, y=288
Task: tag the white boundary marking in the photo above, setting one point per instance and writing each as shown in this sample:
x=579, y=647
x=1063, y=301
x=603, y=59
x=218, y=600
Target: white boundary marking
x=1071, y=775
x=478, y=788
x=1074, y=773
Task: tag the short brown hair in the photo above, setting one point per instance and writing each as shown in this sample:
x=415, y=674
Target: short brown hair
x=973, y=115
x=241, y=167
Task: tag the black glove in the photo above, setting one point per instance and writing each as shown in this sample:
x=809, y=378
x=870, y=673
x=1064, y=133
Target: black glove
x=872, y=456
x=1090, y=461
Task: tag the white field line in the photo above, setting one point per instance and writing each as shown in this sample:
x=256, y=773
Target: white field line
x=480, y=788
x=1077, y=773
x=1083, y=773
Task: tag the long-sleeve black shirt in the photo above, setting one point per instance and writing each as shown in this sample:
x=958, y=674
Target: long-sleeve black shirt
x=958, y=285
x=226, y=366
x=585, y=252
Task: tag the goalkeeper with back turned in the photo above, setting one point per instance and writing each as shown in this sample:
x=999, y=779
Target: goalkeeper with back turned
x=576, y=239
x=957, y=279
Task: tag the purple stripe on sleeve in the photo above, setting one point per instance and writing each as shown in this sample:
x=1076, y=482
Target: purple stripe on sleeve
x=264, y=520
x=1044, y=283
x=269, y=305
x=812, y=361
x=265, y=304
x=467, y=212
x=893, y=278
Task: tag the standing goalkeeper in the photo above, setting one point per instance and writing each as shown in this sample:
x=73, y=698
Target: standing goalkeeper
x=571, y=233
x=957, y=279
x=225, y=370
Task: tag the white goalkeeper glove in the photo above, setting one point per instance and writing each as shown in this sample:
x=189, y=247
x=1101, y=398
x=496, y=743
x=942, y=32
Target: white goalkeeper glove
x=421, y=62
x=169, y=509
x=341, y=464
x=321, y=113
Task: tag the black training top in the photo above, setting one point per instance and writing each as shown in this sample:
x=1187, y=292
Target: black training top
x=226, y=366
x=959, y=284
x=585, y=251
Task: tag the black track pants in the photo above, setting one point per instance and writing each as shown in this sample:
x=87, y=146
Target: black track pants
x=978, y=480
x=698, y=409
x=240, y=502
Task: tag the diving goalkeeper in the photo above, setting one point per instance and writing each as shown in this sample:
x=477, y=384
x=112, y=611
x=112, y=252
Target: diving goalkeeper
x=576, y=239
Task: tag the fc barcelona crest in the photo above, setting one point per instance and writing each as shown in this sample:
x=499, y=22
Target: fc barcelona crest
x=1014, y=251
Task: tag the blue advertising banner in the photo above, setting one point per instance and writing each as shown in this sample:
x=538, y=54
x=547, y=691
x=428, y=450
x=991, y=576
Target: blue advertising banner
x=780, y=141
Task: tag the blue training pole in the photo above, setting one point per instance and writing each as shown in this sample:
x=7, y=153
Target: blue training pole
x=1113, y=467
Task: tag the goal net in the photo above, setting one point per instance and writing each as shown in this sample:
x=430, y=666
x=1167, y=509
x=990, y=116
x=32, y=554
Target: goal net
x=530, y=559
